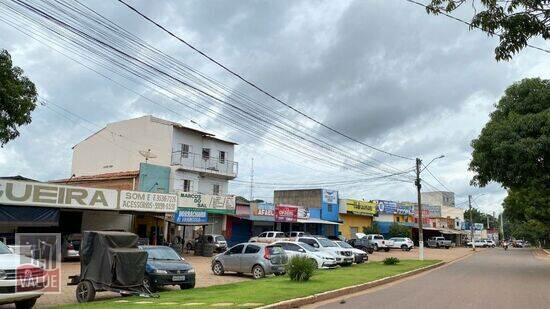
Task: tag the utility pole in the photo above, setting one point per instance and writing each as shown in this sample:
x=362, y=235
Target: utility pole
x=420, y=233
x=471, y=222
x=502, y=225
x=252, y=180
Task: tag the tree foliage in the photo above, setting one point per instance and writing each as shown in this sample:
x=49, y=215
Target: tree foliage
x=398, y=230
x=514, y=21
x=373, y=229
x=17, y=99
x=514, y=146
x=479, y=217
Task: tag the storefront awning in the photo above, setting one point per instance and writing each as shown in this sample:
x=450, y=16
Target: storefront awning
x=28, y=216
x=316, y=221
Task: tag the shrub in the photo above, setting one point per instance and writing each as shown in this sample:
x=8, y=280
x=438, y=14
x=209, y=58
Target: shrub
x=391, y=260
x=300, y=268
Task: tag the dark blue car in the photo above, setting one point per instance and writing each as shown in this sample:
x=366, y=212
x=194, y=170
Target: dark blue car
x=166, y=267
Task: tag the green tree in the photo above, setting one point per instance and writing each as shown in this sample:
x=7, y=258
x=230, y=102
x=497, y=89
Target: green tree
x=373, y=229
x=514, y=21
x=17, y=99
x=398, y=230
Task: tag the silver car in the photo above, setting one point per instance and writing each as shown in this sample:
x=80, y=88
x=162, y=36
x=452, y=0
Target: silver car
x=259, y=259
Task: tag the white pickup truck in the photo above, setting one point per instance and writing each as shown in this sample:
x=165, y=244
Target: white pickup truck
x=21, y=280
x=378, y=242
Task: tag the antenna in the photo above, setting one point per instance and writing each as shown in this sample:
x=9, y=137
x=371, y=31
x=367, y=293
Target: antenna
x=147, y=154
x=252, y=180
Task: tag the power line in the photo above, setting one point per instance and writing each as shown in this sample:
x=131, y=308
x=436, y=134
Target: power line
x=240, y=77
x=429, y=172
x=472, y=26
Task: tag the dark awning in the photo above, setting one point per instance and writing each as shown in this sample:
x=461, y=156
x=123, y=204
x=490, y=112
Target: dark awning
x=28, y=216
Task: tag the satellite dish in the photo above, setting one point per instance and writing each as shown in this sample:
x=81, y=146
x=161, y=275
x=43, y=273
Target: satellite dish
x=147, y=154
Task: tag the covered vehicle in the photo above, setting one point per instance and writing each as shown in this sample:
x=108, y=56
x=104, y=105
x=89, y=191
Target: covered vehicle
x=109, y=261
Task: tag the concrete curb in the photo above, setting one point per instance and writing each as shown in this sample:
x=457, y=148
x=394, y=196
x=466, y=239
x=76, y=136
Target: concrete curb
x=546, y=251
x=297, y=302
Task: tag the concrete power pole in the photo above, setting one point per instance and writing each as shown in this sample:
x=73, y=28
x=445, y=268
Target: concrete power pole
x=420, y=233
x=502, y=225
x=471, y=222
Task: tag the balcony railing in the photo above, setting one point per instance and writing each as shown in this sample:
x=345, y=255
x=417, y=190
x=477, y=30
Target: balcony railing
x=200, y=163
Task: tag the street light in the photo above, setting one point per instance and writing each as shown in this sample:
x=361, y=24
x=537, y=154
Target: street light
x=418, y=187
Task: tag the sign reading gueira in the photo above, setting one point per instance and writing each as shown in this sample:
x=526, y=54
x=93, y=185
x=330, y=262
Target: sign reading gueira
x=49, y=195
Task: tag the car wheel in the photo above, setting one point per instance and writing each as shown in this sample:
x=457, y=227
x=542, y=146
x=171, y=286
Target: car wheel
x=376, y=247
x=148, y=284
x=386, y=249
x=258, y=272
x=85, y=292
x=404, y=247
x=187, y=286
x=218, y=269
x=371, y=251
x=25, y=304
x=315, y=263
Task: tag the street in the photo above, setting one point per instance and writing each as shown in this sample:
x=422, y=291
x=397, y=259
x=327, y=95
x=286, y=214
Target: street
x=489, y=279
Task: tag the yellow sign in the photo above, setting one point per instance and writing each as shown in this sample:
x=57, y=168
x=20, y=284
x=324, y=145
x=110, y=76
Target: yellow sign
x=365, y=208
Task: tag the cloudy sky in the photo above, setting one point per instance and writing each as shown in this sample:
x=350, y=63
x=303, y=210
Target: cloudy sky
x=383, y=72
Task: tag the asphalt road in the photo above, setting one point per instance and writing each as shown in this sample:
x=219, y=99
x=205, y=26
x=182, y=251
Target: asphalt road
x=493, y=278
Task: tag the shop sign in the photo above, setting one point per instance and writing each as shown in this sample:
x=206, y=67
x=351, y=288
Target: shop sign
x=330, y=197
x=221, y=204
x=262, y=211
x=147, y=201
x=405, y=210
x=303, y=213
x=363, y=208
x=286, y=213
x=432, y=210
x=50, y=195
x=388, y=207
x=242, y=211
x=191, y=215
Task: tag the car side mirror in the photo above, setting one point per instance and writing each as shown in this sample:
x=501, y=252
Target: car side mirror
x=316, y=245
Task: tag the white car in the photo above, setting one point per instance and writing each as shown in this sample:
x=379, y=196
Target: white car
x=321, y=258
x=35, y=279
x=343, y=256
x=378, y=242
x=479, y=243
x=403, y=243
x=491, y=243
x=360, y=256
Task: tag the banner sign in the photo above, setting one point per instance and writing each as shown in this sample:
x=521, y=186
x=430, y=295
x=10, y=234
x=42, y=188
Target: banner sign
x=221, y=204
x=286, y=213
x=262, y=211
x=432, y=210
x=405, y=210
x=363, y=208
x=242, y=210
x=330, y=197
x=49, y=195
x=303, y=213
x=147, y=201
x=387, y=207
x=191, y=215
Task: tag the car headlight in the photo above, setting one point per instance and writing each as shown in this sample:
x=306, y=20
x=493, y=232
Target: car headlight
x=191, y=271
x=160, y=271
x=2, y=275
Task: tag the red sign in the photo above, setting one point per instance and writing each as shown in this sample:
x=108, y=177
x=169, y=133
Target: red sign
x=286, y=213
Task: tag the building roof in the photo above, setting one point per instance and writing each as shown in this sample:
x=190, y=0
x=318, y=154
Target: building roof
x=98, y=177
x=18, y=177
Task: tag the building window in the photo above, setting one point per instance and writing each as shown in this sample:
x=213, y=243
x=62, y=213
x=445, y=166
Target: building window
x=184, y=149
x=206, y=153
x=216, y=189
x=329, y=208
x=186, y=185
x=222, y=157
x=397, y=219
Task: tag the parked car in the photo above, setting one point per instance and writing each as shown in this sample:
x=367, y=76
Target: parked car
x=403, y=243
x=220, y=244
x=344, y=256
x=360, y=256
x=322, y=259
x=479, y=243
x=296, y=234
x=439, y=242
x=269, y=237
x=361, y=244
x=378, y=242
x=10, y=264
x=70, y=246
x=259, y=259
x=491, y=243
x=166, y=267
x=518, y=243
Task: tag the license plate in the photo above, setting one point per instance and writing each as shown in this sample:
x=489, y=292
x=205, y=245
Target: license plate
x=178, y=278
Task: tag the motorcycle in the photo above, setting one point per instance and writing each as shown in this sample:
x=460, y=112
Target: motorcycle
x=505, y=246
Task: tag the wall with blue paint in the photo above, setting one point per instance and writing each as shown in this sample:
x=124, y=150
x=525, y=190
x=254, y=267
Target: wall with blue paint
x=154, y=178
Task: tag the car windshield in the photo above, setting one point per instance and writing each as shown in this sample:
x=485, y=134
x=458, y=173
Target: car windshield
x=344, y=244
x=219, y=238
x=326, y=243
x=308, y=247
x=4, y=249
x=162, y=253
x=378, y=237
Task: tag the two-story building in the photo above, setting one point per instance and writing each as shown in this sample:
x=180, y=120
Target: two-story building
x=198, y=161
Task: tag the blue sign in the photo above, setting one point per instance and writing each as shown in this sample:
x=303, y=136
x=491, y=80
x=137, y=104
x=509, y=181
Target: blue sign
x=387, y=207
x=191, y=215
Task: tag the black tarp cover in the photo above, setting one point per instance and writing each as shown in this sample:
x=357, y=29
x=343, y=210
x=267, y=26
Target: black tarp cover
x=28, y=216
x=112, y=259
